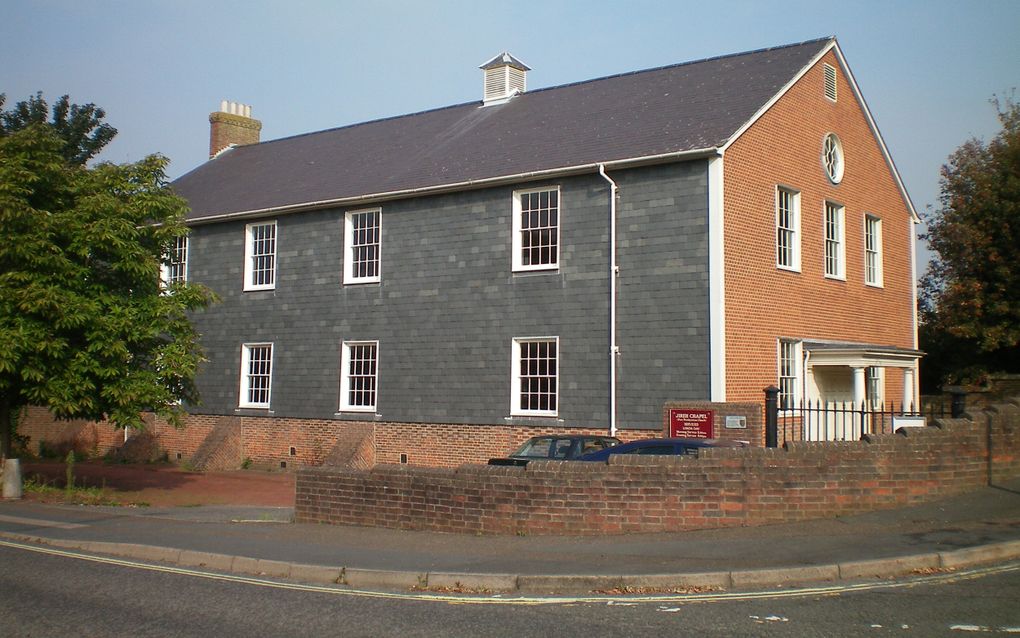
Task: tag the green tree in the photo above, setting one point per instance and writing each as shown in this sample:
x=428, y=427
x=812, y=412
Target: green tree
x=970, y=295
x=85, y=328
x=80, y=127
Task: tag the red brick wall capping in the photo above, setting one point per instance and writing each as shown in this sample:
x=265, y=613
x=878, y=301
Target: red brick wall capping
x=719, y=488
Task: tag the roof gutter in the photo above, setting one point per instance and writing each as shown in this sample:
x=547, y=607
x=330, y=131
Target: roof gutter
x=487, y=182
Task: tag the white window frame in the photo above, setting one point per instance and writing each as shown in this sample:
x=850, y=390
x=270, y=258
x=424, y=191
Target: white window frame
x=346, y=374
x=833, y=158
x=873, y=275
x=516, y=408
x=834, y=240
x=178, y=257
x=350, y=234
x=793, y=230
x=518, y=232
x=244, y=395
x=250, y=256
x=789, y=372
x=875, y=386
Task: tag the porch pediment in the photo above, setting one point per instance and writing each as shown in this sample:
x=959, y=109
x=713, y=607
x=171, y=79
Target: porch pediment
x=820, y=353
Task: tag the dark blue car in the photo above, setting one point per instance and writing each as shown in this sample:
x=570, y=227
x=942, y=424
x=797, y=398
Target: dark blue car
x=559, y=448
x=662, y=447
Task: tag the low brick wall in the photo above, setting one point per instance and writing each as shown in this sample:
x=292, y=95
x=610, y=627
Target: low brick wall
x=288, y=443
x=721, y=488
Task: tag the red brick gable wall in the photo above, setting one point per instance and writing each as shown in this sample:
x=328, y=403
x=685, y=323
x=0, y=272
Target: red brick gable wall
x=764, y=303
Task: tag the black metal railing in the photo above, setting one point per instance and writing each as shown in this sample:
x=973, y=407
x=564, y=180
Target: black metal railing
x=847, y=421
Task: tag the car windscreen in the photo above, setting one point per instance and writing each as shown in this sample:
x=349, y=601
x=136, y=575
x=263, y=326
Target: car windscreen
x=545, y=447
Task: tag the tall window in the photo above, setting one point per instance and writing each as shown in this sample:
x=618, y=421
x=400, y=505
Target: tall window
x=875, y=384
x=260, y=256
x=835, y=250
x=362, y=244
x=534, y=377
x=787, y=229
x=873, y=250
x=175, y=270
x=256, y=375
x=358, y=376
x=789, y=373
x=536, y=230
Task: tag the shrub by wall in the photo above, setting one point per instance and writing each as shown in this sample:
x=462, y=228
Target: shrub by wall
x=720, y=488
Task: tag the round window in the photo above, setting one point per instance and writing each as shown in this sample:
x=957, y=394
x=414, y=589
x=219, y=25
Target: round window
x=832, y=158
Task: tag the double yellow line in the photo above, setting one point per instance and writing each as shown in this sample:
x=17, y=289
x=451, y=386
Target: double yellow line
x=496, y=599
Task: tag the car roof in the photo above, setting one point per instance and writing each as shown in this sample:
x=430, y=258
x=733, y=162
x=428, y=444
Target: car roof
x=686, y=441
x=572, y=437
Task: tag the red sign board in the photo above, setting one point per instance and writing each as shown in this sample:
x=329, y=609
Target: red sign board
x=692, y=424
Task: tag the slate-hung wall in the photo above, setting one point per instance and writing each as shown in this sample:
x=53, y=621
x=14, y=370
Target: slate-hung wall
x=449, y=305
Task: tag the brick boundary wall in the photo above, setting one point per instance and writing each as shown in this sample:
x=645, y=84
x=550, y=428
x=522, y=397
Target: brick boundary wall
x=289, y=443
x=723, y=487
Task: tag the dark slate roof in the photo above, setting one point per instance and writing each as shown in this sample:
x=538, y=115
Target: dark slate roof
x=672, y=109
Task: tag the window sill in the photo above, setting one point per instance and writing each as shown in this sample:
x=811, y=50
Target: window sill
x=789, y=269
x=534, y=272
x=532, y=419
x=260, y=289
x=253, y=409
x=877, y=286
x=360, y=282
x=836, y=278
x=350, y=415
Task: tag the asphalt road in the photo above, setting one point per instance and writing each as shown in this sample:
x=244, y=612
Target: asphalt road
x=51, y=595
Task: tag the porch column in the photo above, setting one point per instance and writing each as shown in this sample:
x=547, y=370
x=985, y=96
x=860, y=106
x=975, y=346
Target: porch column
x=860, y=386
x=908, y=389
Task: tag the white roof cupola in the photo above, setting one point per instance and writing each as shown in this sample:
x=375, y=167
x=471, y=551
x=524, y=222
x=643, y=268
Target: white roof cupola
x=505, y=77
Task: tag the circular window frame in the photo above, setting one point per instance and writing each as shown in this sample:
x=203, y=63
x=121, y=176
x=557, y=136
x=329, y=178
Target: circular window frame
x=834, y=170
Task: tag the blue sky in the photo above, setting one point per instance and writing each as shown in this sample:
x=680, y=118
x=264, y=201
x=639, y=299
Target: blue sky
x=927, y=68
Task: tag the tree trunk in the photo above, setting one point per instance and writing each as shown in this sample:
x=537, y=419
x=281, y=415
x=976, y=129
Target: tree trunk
x=6, y=429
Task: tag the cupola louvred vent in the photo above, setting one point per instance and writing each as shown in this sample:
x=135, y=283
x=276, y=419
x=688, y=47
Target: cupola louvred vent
x=505, y=77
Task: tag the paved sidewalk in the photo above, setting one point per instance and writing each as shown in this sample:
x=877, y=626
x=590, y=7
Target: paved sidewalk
x=979, y=527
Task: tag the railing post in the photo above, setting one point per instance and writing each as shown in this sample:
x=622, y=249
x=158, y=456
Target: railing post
x=772, y=416
x=959, y=402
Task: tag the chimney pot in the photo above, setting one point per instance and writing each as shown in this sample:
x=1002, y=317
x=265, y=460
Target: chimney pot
x=232, y=125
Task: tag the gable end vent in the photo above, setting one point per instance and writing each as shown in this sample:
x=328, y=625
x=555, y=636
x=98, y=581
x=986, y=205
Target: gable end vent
x=830, y=81
x=504, y=77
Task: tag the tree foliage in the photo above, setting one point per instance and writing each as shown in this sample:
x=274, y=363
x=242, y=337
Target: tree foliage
x=970, y=296
x=80, y=127
x=85, y=328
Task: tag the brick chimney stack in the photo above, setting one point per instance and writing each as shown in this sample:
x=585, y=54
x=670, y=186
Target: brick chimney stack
x=232, y=125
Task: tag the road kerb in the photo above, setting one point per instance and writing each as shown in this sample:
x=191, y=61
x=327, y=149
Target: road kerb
x=567, y=583
x=383, y=579
x=209, y=560
x=670, y=582
x=319, y=574
x=956, y=559
x=887, y=567
x=471, y=582
x=274, y=568
x=784, y=576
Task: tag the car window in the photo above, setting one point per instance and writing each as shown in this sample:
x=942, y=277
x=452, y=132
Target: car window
x=562, y=450
x=535, y=448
